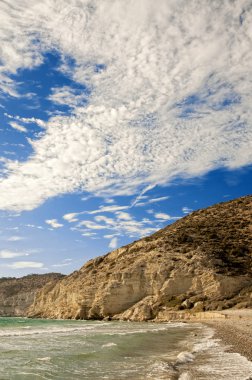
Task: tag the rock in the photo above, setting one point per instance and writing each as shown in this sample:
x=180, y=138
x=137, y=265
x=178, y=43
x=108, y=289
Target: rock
x=204, y=257
x=17, y=294
x=187, y=304
x=199, y=306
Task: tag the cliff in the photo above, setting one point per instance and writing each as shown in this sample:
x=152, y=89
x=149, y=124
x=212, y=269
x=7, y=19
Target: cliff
x=200, y=263
x=17, y=294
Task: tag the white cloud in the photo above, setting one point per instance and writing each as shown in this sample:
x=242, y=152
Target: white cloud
x=118, y=225
x=71, y=217
x=163, y=216
x=105, y=219
x=54, y=223
x=64, y=263
x=33, y=226
x=150, y=211
x=6, y=254
x=171, y=97
x=109, y=200
x=89, y=234
x=108, y=209
x=60, y=265
x=25, y=264
x=113, y=243
x=27, y=120
x=109, y=236
x=123, y=215
x=86, y=198
x=91, y=225
x=152, y=200
x=115, y=209
x=141, y=196
x=17, y=126
x=67, y=96
x=186, y=210
x=15, y=238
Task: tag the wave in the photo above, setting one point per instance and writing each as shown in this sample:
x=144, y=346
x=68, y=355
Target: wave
x=210, y=360
x=185, y=376
x=111, y=344
x=207, y=359
x=162, y=370
x=45, y=359
x=184, y=357
x=164, y=327
x=28, y=331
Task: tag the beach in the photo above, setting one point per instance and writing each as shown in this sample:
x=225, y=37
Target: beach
x=235, y=331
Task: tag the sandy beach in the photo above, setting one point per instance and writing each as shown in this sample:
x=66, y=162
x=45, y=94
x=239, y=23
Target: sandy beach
x=235, y=331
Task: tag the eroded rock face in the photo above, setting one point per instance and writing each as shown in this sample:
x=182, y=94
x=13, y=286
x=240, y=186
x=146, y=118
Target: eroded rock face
x=203, y=259
x=17, y=294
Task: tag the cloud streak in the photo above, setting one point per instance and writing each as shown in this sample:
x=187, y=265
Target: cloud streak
x=163, y=216
x=170, y=93
x=121, y=224
x=7, y=254
x=18, y=127
x=25, y=265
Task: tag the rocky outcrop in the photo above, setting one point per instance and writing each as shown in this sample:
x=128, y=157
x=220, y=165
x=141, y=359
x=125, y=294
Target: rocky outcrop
x=201, y=262
x=17, y=294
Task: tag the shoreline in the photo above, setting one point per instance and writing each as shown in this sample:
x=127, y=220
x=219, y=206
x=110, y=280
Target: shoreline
x=233, y=327
x=234, y=331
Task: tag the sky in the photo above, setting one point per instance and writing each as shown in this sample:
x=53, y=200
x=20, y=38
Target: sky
x=116, y=119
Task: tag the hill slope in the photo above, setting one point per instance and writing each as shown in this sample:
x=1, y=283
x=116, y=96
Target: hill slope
x=201, y=262
x=17, y=294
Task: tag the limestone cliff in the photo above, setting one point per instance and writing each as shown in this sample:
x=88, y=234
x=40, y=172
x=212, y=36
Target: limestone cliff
x=201, y=262
x=17, y=294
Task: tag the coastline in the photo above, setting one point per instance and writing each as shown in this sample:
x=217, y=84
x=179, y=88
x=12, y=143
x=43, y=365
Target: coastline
x=233, y=327
x=234, y=331
x=203, y=352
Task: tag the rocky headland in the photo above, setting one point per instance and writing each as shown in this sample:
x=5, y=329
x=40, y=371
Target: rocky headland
x=201, y=263
x=17, y=294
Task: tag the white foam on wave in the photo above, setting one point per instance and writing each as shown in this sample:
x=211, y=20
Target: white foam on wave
x=185, y=376
x=207, y=342
x=111, y=344
x=184, y=357
x=219, y=364
x=32, y=330
x=138, y=331
x=45, y=359
x=29, y=331
x=161, y=370
x=225, y=365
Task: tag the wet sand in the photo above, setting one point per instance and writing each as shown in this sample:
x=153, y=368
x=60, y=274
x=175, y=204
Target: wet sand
x=235, y=331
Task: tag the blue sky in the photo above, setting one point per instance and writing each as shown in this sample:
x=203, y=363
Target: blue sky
x=116, y=120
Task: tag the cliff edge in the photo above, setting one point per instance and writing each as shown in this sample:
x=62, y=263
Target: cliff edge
x=200, y=263
x=17, y=294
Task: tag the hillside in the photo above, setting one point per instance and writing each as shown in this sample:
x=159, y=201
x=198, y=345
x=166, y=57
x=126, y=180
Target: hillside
x=201, y=262
x=17, y=294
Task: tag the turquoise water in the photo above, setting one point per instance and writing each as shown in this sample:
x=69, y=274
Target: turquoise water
x=58, y=349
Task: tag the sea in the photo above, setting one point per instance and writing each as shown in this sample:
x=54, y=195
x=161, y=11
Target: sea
x=33, y=349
